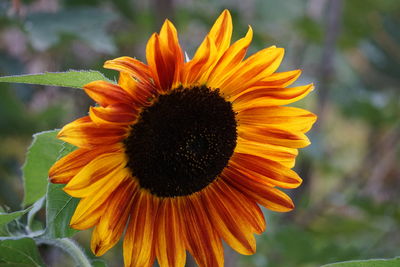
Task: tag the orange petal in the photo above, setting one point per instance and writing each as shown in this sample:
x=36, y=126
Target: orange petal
x=252, y=70
x=263, y=96
x=170, y=249
x=258, y=190
x=114, y=114
x=202, y=240
x=128, y=83
x=234, y=216
x=164, y=57
x=140, y=92
x=290, y=118
x=169, y=38
x=134, y=67
x=139, y=237
x=106, y=93
x=114, y=218
x=230, y=59
x=84, y=133
x=272, y=172
x=68, y=166
x=274, y=136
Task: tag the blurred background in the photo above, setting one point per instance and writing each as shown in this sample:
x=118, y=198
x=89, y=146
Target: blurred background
x=348, y=206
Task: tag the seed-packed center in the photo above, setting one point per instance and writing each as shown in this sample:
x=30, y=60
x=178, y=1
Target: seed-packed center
x=182, y=142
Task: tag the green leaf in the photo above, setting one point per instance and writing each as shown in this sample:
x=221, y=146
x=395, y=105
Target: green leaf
x=59, y=209
x=19, y=252
x=72, y=78
x=395, y=262
x=41, y=156
x=9, y=217
x=44, y=151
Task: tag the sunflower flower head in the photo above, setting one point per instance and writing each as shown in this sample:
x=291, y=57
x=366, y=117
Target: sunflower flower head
x=178, y=155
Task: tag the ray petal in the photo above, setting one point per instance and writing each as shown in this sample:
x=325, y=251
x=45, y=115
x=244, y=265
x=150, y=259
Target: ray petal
x=252, y=70
x=272, y=172
x=235, y=217
x=221, y=32
x=139, y=238
x=91, y=207
x=106, y=93
x=202, y=240
x=68, y=166
x=284, y=155
x=229, y=61
x=84, y=133
x=118, y=114
x=170, y=247
x=136, y=69
x=164, y=57
x=107, y=169
x=274, y=135
x=291, y=118
x=90, y=217
x=258, y=190
x=279, y=79
x=195, y=71
x=114, y=218
x=257, y=96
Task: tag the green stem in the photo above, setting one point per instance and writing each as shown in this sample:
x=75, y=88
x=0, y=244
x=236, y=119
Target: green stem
x=71, y=247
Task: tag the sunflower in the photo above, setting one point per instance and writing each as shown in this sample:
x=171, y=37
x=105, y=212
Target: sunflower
x=179, y=154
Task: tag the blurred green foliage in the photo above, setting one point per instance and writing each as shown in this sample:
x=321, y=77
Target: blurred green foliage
x=348, y=206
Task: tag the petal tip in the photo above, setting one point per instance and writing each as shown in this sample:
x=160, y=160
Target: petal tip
x=226, y=13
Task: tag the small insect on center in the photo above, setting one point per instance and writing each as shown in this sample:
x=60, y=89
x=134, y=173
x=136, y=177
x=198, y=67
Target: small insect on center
x=182, y=142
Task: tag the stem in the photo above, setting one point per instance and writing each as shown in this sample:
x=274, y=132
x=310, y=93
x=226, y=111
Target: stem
x=71, y=247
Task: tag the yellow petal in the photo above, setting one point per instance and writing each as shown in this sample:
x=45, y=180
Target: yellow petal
x=279, y=79
x=229, y=61
x=257, y=67
x=90, y=217
x=101, y=170
x=96, y=199
x=290, y=118
x=284, y=155
x=221, y=32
